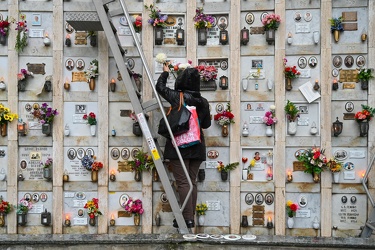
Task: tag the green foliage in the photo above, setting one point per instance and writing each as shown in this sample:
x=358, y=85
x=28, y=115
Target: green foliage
x=365, y=74
x=291, y=110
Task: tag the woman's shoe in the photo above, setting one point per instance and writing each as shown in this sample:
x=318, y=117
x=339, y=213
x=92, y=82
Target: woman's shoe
x=189, y=223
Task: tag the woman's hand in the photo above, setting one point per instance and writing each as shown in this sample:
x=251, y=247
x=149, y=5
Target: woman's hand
x=165, y=66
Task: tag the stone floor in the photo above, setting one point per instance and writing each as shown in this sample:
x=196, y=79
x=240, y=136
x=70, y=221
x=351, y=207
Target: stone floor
x=175, y=241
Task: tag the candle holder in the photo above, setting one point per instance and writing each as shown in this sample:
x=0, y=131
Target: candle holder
x=112, y=222
x=180, y=36
x=269, y=223
x=67, y=221
x=289, y=177
x=337, y=127
x=335, y=85
x=65, y=176
x=112, y=176
x=45, y=218
x=21, y=127
x=112, y=85
x=244, y=36
x=68, y=41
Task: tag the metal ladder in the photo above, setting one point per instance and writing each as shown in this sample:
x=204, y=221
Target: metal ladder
x=370, y=224
x=101, y=21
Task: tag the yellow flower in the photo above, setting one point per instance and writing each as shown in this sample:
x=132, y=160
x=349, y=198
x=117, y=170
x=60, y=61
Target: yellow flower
x=252, y=163
x=289, y=202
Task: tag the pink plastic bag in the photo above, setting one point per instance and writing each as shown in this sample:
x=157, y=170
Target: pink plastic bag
x=193, y=136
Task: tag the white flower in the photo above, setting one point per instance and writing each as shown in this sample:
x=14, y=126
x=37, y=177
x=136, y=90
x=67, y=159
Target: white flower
x=272, y=107
x=184, y=66
x=161, y=58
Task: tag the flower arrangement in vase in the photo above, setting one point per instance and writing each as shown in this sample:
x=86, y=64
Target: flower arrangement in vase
x=47, y=174
x=93, y=211
x=21, y=77
x=363, y=117
x=224, y=118
x=134, y=207
x=269, y=119
x=207, y=73
x=291, y=208
x=364, y=75
x=202, y=20
x=137, y=24
x=292, y=113
x=24, y=206
x=314, y=161
x=87, y=162
x=22, y=33
x=4, y=30
x=335, y=167
x=224, y=169
x=141, y=162
x=201, y=209
x=91, y=73
x=290, y=72
x=271, y=23
x=5, y=117
x=336, y=27
x=91, y=120
x=45, y=116
x=156, y=18
x=5, y=206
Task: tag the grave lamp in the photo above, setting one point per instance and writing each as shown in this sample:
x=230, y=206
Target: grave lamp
x=20, y=176
x=46, y=40
x=202, y=37
x=223, y=83
x=180, y=36
x=2, y=84
x=112, y=222
x=68, y=42
x=112, y=176
x=158, y=36
x=335, y=85
x=289, y=176
x=157, y=219
x=290, y=38
x=112, y=85
x=364, y=35
x=244, y=36
x=65, y=176
x=67, y=84
x=45, y=218
x=223, y=37
x=337, y=127
x=21, y=127
x=67, y=221
x=269, y=223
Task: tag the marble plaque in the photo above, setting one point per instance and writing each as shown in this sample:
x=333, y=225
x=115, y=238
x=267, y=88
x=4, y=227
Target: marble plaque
x=256, y=119
x=36, y=32
x=211, y=164
x=32, y=156
x=213, y=205
x=358, y=154
x=36, y=68
x=305, y=73
x=79, y=221
x=79, y=203
x=36, y=209
x=305, y=213
x=302, y=27
x=348, y=211
x=78, y=119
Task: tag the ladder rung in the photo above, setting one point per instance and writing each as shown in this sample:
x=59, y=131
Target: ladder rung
x=370, y=225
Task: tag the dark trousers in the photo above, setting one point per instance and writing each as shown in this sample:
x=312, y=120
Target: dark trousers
x=192, y=167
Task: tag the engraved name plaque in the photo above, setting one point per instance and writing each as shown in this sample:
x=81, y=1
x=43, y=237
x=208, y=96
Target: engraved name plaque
x=348, y=116
x=123, y=166
x=298, y=166
x=350, y=26
x=256, y=30
x=78, y=77
x=80, y=38
x=348, y=75
x=123, y=214
x=36, y=68
x=349, y=16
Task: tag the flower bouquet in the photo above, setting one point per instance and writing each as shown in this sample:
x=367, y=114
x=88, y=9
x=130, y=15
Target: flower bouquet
x=290, y=72
x=291, y=110
x=271, y=21
x=24, y=206
x=202, y=20
x=5, y=206
x=87, y=162
x=201, y=208
x=314, y=161
x=96, y=166
x=21, y=38
x=47, y=163
x=156, y=18
x=4, y=30
x=93, y=70
x=336, y=24
x=6, y=115
x=228, y=167
x=45, y=114
x=291, y=208
x=224, y=117
x=24, y=74
x=137, y=24
x=334, y=165
x=134, y=206
x=269, y=117
x=207, y=73
x=365, y=115
x=142, y=161
x=93, y=208
x=91, y=118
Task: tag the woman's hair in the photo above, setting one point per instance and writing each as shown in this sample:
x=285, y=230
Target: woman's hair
x=188, y=79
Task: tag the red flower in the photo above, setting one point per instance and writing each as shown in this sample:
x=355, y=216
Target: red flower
x=92, y=215
x=85, y=117
x=294, y=207
x=92, y=115
x=316, y=155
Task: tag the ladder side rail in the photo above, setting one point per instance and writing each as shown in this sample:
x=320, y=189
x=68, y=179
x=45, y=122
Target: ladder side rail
x=149, y=75
x=364, y=180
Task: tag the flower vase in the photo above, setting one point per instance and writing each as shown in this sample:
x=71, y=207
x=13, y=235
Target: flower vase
x=47, y=174
x=137, y=219
x=292, y=128
x=155, y=175
x=269, y=131
x=224, y=175
x=137, y=131
x=22, y=219
x=137, y=175
x=288, y=84
x=4, y=129
x=364, y=84
x=270, y=36
x=93, y=130
x=92, y=83
x=2, y=219
x=290, y=222
x=224, y=130
x=201, y=220
x=336, y=177
x=138, y=35
x=316, y=177
x=245, y=222
x=47, y=129
x=244, y=174
x=92, y=221
x=201, y=175
x=22, y=85
x=159, y=35
x=202, y=36
x=94, y=176
x=336, y=35
x=93, y=41
x=363, y=128
x=3, y=40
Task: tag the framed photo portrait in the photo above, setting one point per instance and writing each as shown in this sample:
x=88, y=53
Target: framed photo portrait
x=43, y=197
x=80, y=212
x=269, y=199
x=223, y=23
x=164, y=198
x=69, y=64
x=257, y=64
x=68, y=28
x=80, y=64
x=344, y=199
x=72, y=154
x=28, y=107
x=115, y=153
x=215, y=21
x=308, y=16
x=27, y=196
x=249, y=18
x=80, y=109
x=297, y=17
x=90, y=152
x=35, y=156
x=360, y=61
x=123, y=199
x=313, y=62
x=335, y=72
x=125, y=153
x=219, y=107
x=349, y=107
x=130, y=62
x=224, y=65
x=302, y=201
x=23, y=164
x=35, y=197
x=135, y=151
x=37, y=19
x=259, y=199
x=337, y=61
x=263, y=15
x=302, y=62
x=349, y=61
x=80, y=153
x=353, y=199
x=249, y=198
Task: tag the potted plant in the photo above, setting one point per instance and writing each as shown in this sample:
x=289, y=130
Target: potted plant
x=141, y=162
x=292, y=113
x=269, y=119
x=22, y=33
x=134, y=207
x=91, y=73
x=202, y=23
x=91, y=120
x=290, y=73
x=225, y=169
x=5, y=117
x=364, y=76
x=224, y=118
x=363, y=117
x=271, y=23
x=93, y=38
x=336, y=27
x=5, y=208
x=93, y=210
x=201, y=209
x=47, y=173
x=158, y=21
x=291, y=209
x=314, y=161
x=335, y=167
x=45, y=115
x=21, y=77
x=23, y=208
x=4, y=31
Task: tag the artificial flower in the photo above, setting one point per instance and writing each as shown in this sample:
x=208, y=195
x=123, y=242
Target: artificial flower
x=313, y=159
x=137, y=24
x=6, y=115
x=45, y=114
x=336, y=24
x=93, y=208
x=365, y=115
x=202, y=20
x=201, y=208
x=224, y=117
x=207, y=73
x=291, y=110
x=228, y=167
x=96, y=166
x=4, y=27
x=134, y=206
x=22, y=33
x=24, y=206
x=91, y=118
x=5, y=206
x=269, y=117
x=156, y=18
x=290, y=72
x=47, y=163
x=93, y=70
x=334, y=165
x=142, y=161
x=291, y=208
x=24, y=74
x=271, y=22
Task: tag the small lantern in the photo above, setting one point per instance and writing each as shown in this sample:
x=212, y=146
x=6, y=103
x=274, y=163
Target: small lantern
x=223, y=83
x=180, y=36
x=21, y=127
x=2, y=84
x=364, y=35
x=112, y=85
x=67, y=221
x=112, y=222
x=65, y=176
x=112, y=176
x=20, y=176
x=68, y=42
x=245, y=222
x=2, y=175
x=45, y=218
x=157, y=219
x=289, y=176
x=113, y=132
x=46, y=40
x=290, y=38
x=269, y=223
x=67, y=84
x=316, y=85
x=335, y=85
x=48, y=84
x=223, y=37
x=202, y=36
x=245, y=130
x=137, y=131
x=337, y=127
x=244, y=36
x=158, y=35
x=22, y=219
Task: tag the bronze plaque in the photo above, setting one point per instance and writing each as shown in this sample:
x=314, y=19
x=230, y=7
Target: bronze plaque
x=125, y=112
x=258, y=215
x=258, y=222
x=348, y=85
x=298, y=166
x=258, y=208
x=348, y=75
x=169, y=40
x=79, y=77
x=348, y=116
x=350, y=26
x=123, y=166
x=166, y=207
x=349, y=16
x=257, y=30
x=36, y=68
x=123, y=214
x=80, y=38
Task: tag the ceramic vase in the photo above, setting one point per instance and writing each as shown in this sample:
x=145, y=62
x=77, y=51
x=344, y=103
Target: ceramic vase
x=4, y=129
x=290, y=222
x=93, y=130
x=224, y=175
x=137, y=219
x=288, y=84
x=292, y=128
x=269, y=131
x=94, y=176
x=201, y=220
x=92, y=83
x=224, y=130
x=336, y=177
x=244, y=174
x=363, y=128
x=47, y=129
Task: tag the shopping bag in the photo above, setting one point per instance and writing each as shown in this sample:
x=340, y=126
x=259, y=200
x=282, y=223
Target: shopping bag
x=193, y=135
x=178, y=119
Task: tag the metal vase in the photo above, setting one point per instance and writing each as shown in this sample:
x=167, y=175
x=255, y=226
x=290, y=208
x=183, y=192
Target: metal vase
x=270, y=36
x=224, y=175
x=47, y=129
x=22, y=219
x=4, y=129
x=363, y=128
x=47, y=173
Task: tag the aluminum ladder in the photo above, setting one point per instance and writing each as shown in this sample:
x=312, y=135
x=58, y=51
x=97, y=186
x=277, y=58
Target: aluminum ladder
x=101, y=21
x=370, y=224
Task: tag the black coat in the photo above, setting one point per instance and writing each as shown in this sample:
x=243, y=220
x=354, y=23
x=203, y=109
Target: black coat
x=188, y=82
